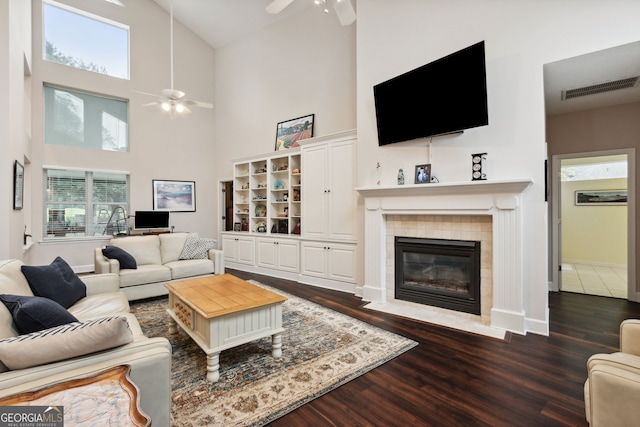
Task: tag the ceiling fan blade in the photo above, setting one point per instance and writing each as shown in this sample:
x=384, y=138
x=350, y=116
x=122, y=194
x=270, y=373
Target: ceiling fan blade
x=118, y=2
x=149, y=104
x=197, y=103
x=345, y=12
x=147, y=93
x=276, y=6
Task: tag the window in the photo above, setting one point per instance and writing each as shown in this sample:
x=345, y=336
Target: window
x=80, y=119
x=81, y=203
x=591, y=171
x=71, y=37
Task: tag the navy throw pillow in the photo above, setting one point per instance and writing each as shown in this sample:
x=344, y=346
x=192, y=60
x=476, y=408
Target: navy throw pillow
x=32, y=314
x=125, y=259
x=55, y=281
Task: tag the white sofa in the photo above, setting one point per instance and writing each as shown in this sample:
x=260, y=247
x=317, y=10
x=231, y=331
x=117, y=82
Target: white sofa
x=158, y=262
x=148, y=358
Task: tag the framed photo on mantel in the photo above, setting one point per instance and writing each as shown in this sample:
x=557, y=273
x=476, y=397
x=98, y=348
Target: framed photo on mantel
x=423, y=174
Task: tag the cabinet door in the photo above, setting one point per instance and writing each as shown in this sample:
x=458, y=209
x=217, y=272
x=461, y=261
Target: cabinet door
x=266, y=251
x=230, y=248
x=342, y=196
x=342, y=262
x=288, y=255
x=314, y=259
x=314, y=191
x=245, y=250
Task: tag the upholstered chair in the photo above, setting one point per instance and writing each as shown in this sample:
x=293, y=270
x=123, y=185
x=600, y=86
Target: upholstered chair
x=612, y=389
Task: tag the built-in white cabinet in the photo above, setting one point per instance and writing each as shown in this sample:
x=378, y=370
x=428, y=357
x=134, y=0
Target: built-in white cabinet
x=295, y=213
x=329, y=260
x=279, y=254
x=238, y=249
x=329, y=206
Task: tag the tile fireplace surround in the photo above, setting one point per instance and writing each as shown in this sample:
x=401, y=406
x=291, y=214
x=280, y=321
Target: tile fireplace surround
x=486, y=211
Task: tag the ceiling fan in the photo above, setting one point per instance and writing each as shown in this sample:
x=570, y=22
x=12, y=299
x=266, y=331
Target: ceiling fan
x=344, y=9
x=173, y=100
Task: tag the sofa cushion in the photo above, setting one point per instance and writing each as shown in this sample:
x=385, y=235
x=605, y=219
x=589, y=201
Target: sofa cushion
x=55, y=281
x=144, y=274
x=63, y=342
x=10, y=269
x=171, y=245
x=32, y=314
x=101, y=305
x=197, y=247
x=144, y=249
x=124, y=258
x=190, y=267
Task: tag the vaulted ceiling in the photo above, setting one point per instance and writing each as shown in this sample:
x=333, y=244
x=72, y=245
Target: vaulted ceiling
x=221, y=22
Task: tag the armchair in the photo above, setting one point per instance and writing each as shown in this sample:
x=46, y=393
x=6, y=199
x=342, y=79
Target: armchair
x=612, y=389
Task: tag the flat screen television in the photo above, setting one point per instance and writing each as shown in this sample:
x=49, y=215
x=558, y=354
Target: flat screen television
x=445, y=96
x=151, y=219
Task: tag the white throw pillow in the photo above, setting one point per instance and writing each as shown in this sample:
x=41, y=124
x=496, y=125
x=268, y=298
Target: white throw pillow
x=197, y=247
x=64, y=342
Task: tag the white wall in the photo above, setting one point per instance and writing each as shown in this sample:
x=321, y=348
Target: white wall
x=520, y=36
x=161, y=147
x=305, y=65
x=15, y=49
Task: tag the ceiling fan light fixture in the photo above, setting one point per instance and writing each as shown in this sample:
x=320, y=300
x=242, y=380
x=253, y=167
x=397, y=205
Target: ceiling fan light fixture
x=179, y=108
x=166, y=106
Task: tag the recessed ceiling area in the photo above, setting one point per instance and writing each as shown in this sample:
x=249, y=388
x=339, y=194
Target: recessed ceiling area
x=604, y=69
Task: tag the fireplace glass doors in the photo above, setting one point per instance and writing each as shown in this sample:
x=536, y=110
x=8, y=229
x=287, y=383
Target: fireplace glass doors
x=438, y=272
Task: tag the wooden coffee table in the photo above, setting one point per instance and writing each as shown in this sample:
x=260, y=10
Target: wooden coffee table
x=221, y=312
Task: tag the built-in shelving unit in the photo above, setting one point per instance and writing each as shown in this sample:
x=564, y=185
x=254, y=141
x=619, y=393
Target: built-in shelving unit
x=268, y=194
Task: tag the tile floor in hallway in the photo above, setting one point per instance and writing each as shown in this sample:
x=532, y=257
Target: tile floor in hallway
x=594, y=280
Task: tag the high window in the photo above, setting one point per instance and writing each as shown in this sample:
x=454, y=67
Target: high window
x=80, y=119
x=80, y=203
x=81, y=40
x=591, y=171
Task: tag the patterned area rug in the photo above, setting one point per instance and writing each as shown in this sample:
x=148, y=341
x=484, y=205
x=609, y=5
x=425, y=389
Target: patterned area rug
x=321, y=350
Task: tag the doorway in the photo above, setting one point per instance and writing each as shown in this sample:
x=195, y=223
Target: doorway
x=226, y=206
x=594, y=217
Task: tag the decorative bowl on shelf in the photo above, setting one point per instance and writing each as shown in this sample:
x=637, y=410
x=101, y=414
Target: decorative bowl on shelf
x=261, y=227
x=278, y=184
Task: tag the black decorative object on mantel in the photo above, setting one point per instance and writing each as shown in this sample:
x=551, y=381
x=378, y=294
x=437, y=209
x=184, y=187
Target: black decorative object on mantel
x=478, y=173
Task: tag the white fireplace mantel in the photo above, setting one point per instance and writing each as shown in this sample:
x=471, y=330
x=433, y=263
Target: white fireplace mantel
x=449, y=188
x=500, y=199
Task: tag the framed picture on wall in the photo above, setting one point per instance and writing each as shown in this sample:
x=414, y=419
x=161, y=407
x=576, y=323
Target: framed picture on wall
x=174, y=196
x=290, y=132
x=601, y=197
x=18, y=185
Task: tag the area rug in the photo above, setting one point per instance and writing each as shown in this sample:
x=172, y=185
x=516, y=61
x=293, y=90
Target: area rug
x=321, y=350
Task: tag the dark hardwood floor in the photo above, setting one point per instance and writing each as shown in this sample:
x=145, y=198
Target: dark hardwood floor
x=454, y=378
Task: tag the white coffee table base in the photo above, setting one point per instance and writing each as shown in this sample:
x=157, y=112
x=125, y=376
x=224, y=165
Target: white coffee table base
x=224, y=332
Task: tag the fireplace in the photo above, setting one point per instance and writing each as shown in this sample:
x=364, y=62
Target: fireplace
x=438, y=272
x=399, y=210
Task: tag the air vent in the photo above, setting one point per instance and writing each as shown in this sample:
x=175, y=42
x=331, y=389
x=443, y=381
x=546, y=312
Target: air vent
x=600, y=88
